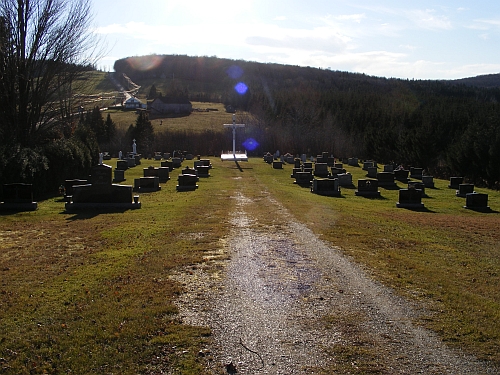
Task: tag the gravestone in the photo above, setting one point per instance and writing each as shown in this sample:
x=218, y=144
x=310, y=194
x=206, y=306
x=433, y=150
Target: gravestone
x=122, y=164
x=163, y=173
x=410, y=198
x=372, y=172
x=176, y=162
x=203, y=171
x=388, y=168
x=168, y=164
x=119, y=175
x=297, y=163
x=417, y=185
x=428, y=181
x=386, y=179
x=288, y=158
x=345, y=179
x=277, y=165
x=206, y=162
x=367, y=188
x=131, y=162
x=188, y=170
x=106, y=156
x=18, y=197
x=321, y=170
x=157, y=155
x=187, y=182
x=477, y=201
x=68, y=187
x=101, y=193
x=326, y=186
x=295, y=170
x=334, y=171
x=268, y=158
x=455, y=182
x=464, y=189
x=353, y=162
x=367, y=164
x=338, y=165
x=416, y=173
x=137, y=158
x=303, y=178
x=308, y=165
x=402, y=175
x=148, y=184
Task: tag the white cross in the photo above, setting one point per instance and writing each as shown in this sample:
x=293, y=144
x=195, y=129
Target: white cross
x=234, y=125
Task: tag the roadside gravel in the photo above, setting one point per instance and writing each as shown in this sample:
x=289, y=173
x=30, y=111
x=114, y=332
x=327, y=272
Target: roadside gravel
x=281, y=301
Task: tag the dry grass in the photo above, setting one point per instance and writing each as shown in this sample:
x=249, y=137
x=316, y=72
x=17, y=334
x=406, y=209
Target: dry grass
x=90, y=292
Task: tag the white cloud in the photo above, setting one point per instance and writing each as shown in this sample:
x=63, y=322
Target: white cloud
x=427, y=19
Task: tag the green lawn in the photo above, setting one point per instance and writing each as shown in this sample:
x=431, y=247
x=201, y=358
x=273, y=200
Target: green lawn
x=90, y=292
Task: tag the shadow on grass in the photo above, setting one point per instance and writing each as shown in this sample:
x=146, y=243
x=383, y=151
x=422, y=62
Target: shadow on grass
x=91, y=213
x=483, y=210
x=374, y=197
x=240, y=168
x=422, y=209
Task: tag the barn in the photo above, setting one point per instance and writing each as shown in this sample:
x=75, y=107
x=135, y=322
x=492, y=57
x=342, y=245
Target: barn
x=169, y=105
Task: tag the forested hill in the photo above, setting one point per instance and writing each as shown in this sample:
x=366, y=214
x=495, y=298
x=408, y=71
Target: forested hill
x=487, y=81
x=447, y=127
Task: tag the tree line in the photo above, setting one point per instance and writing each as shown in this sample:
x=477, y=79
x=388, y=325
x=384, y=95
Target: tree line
x=448, y=128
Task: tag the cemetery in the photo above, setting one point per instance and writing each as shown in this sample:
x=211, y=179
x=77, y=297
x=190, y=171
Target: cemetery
x=167, y=212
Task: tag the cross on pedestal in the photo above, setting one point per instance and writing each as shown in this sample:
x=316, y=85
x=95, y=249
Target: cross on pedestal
x=234, y=156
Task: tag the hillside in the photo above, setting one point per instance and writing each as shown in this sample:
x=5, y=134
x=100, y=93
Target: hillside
x=448, y=129
x=485, y=81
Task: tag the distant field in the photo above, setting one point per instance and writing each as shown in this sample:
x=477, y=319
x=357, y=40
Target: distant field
x=195, y=122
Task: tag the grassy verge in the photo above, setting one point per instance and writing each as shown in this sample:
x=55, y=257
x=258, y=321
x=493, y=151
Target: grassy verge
x=90, y=293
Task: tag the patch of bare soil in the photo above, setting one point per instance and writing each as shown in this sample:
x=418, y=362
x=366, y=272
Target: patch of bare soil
x=287, y=303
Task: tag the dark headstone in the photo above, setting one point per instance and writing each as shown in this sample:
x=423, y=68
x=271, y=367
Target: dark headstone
x=186, y=182
x=464, y=189
x=18, y=196
x=119, y=175
x=401, y=175
x=277, y=165
x=303, y=178
x=410, y=198
x=416, y=173
x=326, y=186
x=428, y=181
x=477, y=201
x=367, y=188
x=455, y=182
x=122, y=164
x=321, y=170
x=386, y=179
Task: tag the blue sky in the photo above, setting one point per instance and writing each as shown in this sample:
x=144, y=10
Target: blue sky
x=403, y=39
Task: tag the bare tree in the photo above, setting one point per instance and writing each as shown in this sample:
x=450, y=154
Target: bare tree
x=45, y=45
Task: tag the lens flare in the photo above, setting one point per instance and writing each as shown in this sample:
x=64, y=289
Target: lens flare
x=250, y=144
x=234, y=71
x=241, y=88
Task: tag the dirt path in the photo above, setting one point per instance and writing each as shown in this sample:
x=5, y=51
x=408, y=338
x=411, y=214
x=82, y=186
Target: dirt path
x=287, y=303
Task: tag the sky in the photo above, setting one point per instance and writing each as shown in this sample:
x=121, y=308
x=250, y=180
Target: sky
x=395, y=39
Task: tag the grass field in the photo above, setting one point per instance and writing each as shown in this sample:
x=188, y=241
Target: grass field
x=196, y=122
x=90, y=292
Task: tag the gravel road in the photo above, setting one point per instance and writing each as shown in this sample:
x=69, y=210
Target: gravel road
x=281, y=301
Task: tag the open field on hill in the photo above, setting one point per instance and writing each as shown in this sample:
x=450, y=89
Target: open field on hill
x=196, y=122
x=91, y=292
